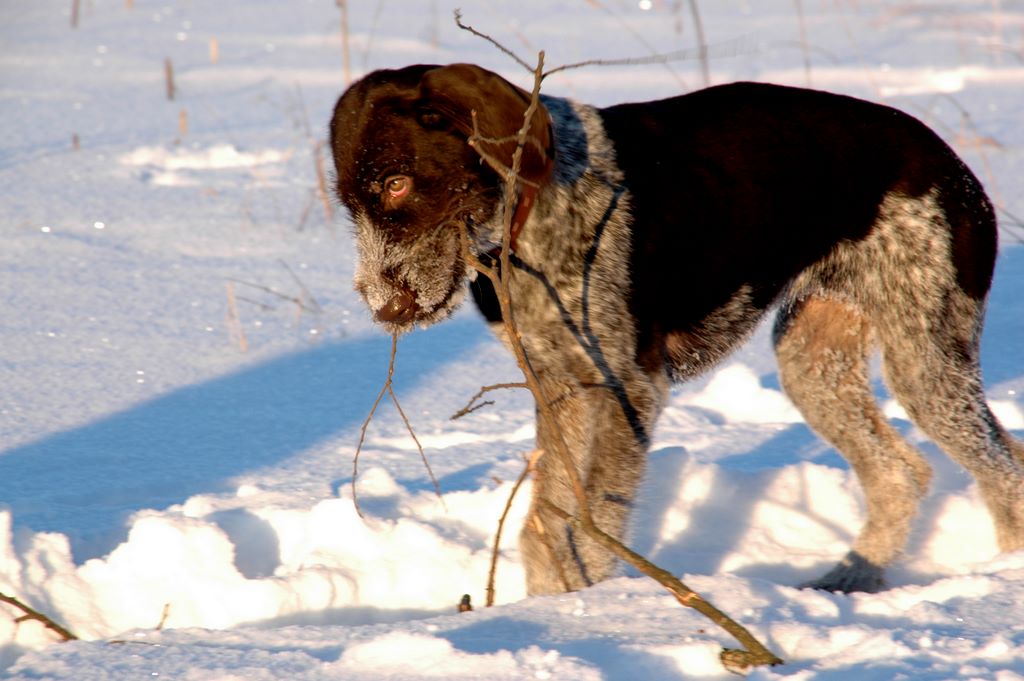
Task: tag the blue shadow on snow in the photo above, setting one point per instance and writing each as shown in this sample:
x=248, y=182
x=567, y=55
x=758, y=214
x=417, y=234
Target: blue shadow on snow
x=86, y=482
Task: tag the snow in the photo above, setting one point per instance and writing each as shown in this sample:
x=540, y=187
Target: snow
x=185, y=368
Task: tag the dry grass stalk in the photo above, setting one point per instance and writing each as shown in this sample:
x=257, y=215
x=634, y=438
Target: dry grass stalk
x=804, y=47
x=183, y=123
x=214, y=51
x=74, y=13
x=321, y=181
x=32, y=614
x=702, y=44
x=236, y=333
x=169, y=79
x=346, y=57
x=317, y=145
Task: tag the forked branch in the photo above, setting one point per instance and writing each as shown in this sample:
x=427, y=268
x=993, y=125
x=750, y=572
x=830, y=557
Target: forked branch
x=475, y=403
x=389, y=389
x=33, y=614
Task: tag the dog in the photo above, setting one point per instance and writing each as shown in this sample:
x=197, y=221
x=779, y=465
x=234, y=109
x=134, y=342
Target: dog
x=648, y=240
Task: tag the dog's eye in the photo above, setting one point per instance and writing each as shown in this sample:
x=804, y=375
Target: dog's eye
x=397, y=186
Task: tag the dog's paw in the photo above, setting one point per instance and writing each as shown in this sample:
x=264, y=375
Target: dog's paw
x=853, y=573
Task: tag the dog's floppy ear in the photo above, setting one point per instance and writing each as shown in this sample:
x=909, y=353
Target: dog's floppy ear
x=457, y=90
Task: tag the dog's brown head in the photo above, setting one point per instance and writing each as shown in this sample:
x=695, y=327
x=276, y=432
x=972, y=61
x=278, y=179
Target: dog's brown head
x=406, y=172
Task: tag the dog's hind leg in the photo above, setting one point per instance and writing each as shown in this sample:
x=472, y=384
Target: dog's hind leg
x=822, y=347
x=931, y=366
x=935, y=255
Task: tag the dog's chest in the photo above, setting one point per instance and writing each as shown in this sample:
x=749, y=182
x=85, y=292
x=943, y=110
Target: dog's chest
x=572, y=274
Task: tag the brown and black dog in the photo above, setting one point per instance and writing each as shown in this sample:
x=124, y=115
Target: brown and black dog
x=656, y=236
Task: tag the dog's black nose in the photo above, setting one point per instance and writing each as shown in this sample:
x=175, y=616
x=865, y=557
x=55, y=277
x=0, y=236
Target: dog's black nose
x=400, y=309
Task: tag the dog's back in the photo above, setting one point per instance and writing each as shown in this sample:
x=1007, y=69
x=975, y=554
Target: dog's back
x=737, y=187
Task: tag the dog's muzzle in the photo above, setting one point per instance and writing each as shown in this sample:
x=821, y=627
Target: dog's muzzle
x=400, y=309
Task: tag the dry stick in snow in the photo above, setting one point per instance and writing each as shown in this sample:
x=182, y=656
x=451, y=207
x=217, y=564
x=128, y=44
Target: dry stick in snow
x=387, y=388
x=32, y=614
x=754, y=652
x=531, y=465
x=163, y=616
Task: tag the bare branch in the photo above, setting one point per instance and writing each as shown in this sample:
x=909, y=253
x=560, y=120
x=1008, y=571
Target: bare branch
x=387, y=388
x=755, y=653
x=408, y=426
x=472, y=406
x=32, y=614
x=362, y=430
x=660, y=58
x=531, y=465
x=465, y=27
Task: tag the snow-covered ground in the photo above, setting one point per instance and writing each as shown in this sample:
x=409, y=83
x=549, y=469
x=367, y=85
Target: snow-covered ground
x=184, y=367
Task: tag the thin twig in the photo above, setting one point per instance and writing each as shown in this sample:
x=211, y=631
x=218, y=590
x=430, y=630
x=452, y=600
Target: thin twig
x=163, y=616
x=465, y=27
x=660, y=58
x=412, y=434
x=306, y=295
x=472, y=406
x=1018, y=224
x=366, y=422
x=387, y=388
x=639, y=37
x=702, y=43
x=657, y=58
x=317, y=147
x=529, y=467
x=283, y=296
x=33, y=614
x=803, y=40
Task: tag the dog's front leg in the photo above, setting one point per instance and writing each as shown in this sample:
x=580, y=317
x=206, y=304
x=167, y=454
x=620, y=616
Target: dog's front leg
x=605, y=441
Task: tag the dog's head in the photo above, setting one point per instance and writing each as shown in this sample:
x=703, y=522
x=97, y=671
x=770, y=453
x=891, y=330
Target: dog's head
x=412, y=183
